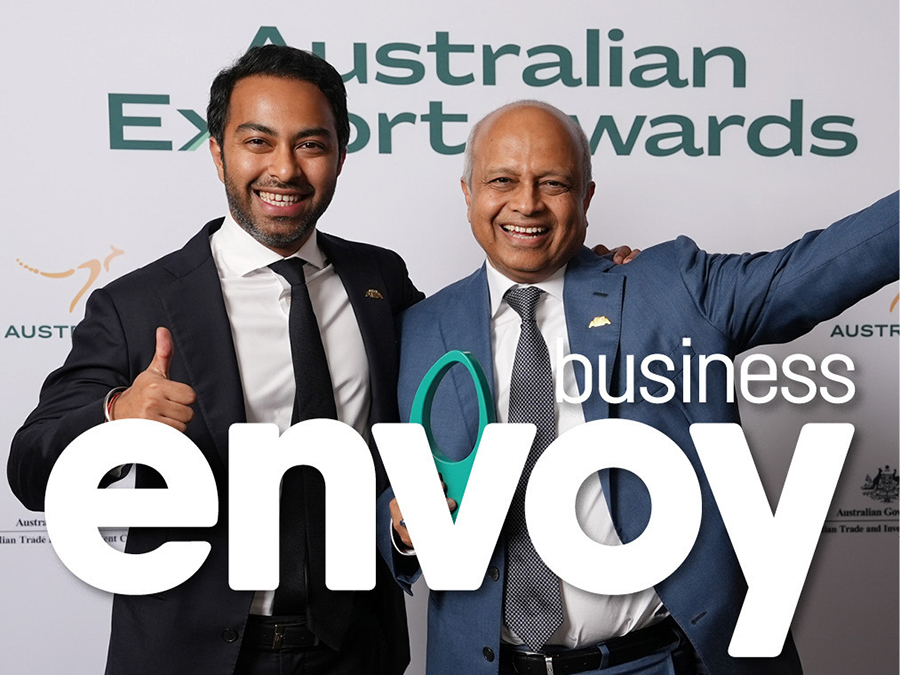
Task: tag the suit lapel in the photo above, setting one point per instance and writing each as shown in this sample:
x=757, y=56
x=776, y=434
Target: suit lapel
x=593, y=302
x=466, y=325
x=202, y=334
x=368, y=295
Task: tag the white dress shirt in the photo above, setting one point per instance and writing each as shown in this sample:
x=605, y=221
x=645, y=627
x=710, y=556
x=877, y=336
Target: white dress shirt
x=588, y=618
x=257, y=301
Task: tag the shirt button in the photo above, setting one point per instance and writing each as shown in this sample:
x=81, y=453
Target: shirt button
x=229, y=635
x=488, y=654
x=493, y=573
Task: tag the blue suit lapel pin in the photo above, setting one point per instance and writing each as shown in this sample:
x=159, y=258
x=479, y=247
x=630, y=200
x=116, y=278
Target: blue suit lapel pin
x=598, y=321
x=375, y=294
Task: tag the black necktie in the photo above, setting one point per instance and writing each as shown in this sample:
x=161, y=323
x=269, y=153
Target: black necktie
x=315, y=397
x=532, y=607
x=302, y=562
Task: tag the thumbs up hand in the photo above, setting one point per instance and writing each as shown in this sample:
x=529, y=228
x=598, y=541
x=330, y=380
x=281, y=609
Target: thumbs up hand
x=152, y=395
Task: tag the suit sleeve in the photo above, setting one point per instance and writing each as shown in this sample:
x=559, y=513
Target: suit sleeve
x=71, y=400
x=404, y=569
x=763, y=298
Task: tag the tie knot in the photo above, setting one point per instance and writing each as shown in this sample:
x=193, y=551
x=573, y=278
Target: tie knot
x=291, y=269
x=524, y=300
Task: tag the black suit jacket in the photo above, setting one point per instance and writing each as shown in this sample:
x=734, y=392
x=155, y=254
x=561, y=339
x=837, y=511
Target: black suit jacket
x=195, y=628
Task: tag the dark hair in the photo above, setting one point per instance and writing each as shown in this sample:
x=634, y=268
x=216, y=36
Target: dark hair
x=279, y=61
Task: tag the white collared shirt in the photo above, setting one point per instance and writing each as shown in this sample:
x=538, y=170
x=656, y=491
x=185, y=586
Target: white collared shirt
x=588, y=618
x=257, y=301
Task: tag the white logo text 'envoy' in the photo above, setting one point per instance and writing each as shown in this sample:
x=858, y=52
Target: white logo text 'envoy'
x=774, y=551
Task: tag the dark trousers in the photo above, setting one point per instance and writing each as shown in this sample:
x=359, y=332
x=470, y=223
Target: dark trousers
x=319, y=660
x=360, y=655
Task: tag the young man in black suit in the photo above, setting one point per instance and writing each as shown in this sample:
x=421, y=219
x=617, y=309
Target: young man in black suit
x=200, y=340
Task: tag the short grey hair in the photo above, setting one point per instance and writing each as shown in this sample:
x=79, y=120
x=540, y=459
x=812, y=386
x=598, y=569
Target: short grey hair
x=571, y=125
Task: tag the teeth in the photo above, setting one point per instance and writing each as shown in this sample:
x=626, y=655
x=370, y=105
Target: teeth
x=524, y=230
x=278, y=199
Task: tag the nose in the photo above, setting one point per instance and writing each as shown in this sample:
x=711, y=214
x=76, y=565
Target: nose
x=283, y=164
x=527, y=199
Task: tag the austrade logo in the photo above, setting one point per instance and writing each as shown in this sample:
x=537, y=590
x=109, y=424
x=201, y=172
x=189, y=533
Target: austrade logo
x=881, y=486
x=869, y=330
x=93, y=268
x=610, y=61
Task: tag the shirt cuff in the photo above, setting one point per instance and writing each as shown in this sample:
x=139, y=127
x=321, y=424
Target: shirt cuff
x=399, y=546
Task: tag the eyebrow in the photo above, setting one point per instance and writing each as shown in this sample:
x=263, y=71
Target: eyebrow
x=303, y=133
x=254, y=126
x=500, y=169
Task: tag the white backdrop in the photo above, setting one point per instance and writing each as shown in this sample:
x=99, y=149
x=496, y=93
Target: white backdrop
x=70, y=193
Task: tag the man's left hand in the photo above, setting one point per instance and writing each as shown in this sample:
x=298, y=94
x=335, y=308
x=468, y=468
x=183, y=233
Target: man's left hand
x=621, y=254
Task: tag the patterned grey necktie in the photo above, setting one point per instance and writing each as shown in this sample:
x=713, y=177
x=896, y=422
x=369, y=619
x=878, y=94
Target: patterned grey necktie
x=532, y=607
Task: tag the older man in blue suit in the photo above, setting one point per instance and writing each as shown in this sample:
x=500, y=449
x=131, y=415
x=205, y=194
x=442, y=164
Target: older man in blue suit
x=528, y=187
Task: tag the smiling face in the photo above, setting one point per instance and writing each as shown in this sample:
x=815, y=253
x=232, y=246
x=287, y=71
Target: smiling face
x=527, y=204
x=279, y=159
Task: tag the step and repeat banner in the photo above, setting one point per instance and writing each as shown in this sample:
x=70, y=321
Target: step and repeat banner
x=740, y=125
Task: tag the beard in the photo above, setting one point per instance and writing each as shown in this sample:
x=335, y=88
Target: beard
x=289, y=230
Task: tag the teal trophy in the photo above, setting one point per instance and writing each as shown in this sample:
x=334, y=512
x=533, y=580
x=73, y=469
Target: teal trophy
x=455, y=474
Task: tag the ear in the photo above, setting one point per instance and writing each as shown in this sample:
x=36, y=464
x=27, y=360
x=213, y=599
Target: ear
x=340, y=165
x=216, y=153
x=588, y=195
x=465, y=189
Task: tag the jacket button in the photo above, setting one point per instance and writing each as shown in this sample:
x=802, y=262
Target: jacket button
x=229, y=635
x=488, y=654
x=493, y=573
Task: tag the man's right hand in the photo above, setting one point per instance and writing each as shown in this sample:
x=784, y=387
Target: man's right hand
x=152, y=395
x=400, y=525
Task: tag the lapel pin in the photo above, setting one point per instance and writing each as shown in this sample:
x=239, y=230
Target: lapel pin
x=598, y=321
x=374, y=293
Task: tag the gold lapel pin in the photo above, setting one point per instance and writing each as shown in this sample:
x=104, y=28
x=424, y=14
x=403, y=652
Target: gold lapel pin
x=374, y=293
x=598, y=321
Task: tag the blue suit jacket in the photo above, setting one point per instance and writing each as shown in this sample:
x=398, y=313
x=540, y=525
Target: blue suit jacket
x=726, y=304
